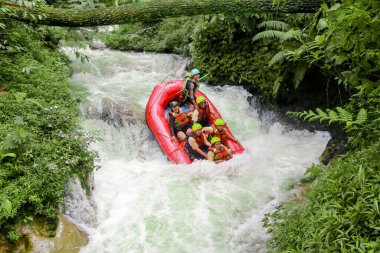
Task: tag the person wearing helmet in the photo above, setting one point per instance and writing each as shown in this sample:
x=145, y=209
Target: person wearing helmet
x=202, y=113
x=218, y=130
x=218, y=152
x=191, y=85
x=179, y=122
x=196, y=144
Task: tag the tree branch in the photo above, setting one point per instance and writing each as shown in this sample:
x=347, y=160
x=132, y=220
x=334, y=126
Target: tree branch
x=156, y=10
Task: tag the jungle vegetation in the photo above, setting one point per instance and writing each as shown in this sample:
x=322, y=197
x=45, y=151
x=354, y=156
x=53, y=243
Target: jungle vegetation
x=332, y=54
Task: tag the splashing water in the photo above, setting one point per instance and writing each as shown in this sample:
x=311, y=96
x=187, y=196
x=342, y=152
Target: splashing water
x=146, y=204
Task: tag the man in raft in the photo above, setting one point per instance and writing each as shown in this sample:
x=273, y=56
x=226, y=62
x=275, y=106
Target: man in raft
x=203, y=112
x=218, y=152
x=196, y=143
x=179, y=122
x=217, y=130
x=190, y=87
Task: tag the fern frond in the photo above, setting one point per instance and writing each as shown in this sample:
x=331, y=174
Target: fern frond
x=361, y=117
x=291, y=34
x=314, y=118
x=344, y=115
x=321, y=113
x=297, y=53
x=269, y=34
x=332, y=121
x=275, y=25
x=332, y=114
x=279, y=57
x=309, y=115
x=340, y=115
x=299, y=74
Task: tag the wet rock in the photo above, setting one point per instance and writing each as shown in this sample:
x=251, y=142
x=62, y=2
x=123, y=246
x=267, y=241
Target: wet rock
x=68, y=238
x=13, y=247
x=97, y=45
x=78, y=203
x=116, y=113
x=336, y=146
x=38, y=238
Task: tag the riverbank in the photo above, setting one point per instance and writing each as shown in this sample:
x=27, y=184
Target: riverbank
x=41, y=143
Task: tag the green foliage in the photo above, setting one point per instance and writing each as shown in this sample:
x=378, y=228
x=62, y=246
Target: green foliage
x=169, y=36
x=233, y=48
x=342, y=211
x=222, y=46
x=340, y=115
x=76, y=37
x=41, y=144
x=7, y=12
x=274, y=24
x=351, y=44
x=292, y=52
x=346, y=46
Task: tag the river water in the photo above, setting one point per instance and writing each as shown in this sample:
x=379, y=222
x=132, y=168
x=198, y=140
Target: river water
x=146, y=204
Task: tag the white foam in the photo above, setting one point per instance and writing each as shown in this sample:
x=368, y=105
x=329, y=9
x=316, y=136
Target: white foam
x=146, y=204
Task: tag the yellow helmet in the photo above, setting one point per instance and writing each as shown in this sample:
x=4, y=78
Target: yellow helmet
x=219, y=122
x=214, y=139
x=200, y=99
x=196, y=127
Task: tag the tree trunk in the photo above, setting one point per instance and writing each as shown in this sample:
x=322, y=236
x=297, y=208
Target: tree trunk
x=156, y=10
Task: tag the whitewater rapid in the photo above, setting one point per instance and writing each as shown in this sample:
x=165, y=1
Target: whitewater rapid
x=146, y=204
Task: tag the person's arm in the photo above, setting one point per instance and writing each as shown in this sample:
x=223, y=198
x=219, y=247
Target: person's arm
x=228, y=150
x=195, y=146
x=210, y=156
x=213, y=113
x=195, y=116
x=207, y=143
x=171, y=123
x=230, y=136
x=208, y=129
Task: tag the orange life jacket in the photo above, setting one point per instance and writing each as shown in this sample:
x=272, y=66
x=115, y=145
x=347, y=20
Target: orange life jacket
x=180, y=119
x=221, y=134
x=220, y=154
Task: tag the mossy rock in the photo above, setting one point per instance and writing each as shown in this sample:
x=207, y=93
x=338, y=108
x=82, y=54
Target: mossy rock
x=47, y=236
x=336, y=146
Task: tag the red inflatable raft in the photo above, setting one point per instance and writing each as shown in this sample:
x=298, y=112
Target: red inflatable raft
x=156, y=113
